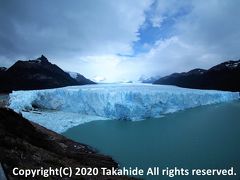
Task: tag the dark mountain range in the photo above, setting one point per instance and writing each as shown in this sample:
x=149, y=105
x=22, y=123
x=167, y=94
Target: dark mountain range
x=2, y=70
x=36, y=74
x=224, y=76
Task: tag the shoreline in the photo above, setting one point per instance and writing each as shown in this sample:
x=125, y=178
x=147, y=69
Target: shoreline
x=28, y=145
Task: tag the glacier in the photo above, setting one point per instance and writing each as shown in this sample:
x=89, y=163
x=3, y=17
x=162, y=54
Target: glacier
x=109, y=101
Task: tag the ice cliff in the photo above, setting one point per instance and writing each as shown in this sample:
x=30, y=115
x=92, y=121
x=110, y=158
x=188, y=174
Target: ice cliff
x=118, y=101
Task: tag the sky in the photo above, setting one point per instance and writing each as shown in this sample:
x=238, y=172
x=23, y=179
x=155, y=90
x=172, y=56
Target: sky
x=121, y=40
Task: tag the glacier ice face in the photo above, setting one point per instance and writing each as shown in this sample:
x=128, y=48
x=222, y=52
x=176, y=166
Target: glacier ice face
x=62, y=108
x=118, y=101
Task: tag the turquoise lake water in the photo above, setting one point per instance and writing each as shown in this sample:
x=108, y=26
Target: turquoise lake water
x=203, y=137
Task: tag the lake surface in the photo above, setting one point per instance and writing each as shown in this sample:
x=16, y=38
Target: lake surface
x=203, y=137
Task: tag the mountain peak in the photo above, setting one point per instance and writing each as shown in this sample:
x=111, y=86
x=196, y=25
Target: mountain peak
x=43, y=58
x=226, y=65
x=37, y=74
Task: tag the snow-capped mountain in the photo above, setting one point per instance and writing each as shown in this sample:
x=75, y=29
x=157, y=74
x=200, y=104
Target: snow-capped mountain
x=145, y=79
x=80, y=78
x=35, y=74
x=224, y=76
x=228, y=65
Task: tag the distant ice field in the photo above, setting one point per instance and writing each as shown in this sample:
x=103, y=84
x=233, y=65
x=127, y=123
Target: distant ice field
x=62, y=108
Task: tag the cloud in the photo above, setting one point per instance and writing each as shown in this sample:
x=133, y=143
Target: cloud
x=204, y=34
x=162, y=10
x=64, y=29
x=97, y=38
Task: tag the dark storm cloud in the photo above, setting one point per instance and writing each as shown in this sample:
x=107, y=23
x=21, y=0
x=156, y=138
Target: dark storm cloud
x=68, y=28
